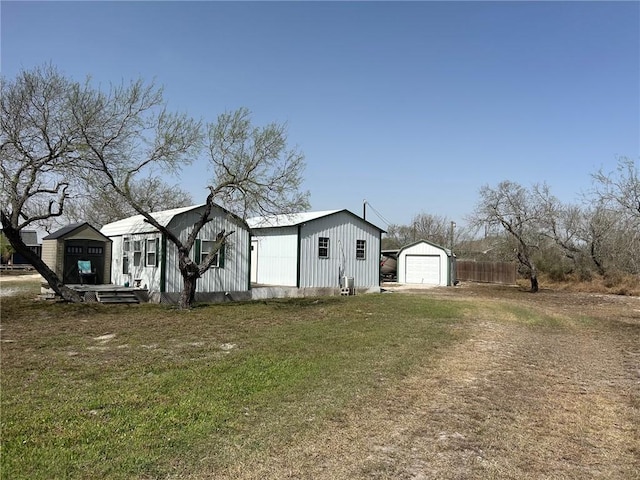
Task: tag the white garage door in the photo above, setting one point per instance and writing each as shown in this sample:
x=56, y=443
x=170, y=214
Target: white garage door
x=422, y=269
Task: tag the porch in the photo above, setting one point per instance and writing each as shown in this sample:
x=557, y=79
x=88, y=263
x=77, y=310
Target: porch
x=103, y=293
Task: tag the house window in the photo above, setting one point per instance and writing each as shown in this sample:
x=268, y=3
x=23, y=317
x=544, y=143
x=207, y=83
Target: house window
x=137, y=253
x=323, y=247
x=206, y=247
x=74, y=250
x=151, y=252
x=361, y=247
x=126, y=247
x=94, y=250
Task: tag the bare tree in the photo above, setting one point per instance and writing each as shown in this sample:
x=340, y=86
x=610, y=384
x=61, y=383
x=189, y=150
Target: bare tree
x=620, y=190
x=615, y=201
x=61, y=138
x=423, y=226
x=515, y=209
x=100, y=206
x=38, y=145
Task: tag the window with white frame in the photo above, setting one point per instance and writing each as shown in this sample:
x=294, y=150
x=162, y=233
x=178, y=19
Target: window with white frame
x=361, y=248
x=205, y=249
x=126, y=246
x=323, y=247
x=137, y=253
x=151, y=252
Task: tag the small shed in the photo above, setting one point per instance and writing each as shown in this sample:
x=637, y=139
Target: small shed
x=143, y=257
x=426, y=263
x=315, y=250
x=64, y=248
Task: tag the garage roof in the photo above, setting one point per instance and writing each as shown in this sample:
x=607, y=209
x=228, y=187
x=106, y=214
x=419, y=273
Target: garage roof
x=287, y=220
x=293, y=219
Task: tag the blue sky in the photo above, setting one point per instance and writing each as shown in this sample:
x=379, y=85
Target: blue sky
x=412, y=106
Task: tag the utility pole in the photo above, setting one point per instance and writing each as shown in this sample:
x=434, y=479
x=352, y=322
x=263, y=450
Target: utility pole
x=453, y=225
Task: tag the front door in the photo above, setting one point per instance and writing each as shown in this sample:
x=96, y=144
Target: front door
x=254, y=261
x=82, y=249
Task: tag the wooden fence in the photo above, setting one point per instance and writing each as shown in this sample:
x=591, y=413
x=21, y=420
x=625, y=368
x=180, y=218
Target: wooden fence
x=487, y=272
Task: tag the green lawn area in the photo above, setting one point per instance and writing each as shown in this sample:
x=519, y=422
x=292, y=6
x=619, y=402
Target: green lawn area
x=147, y=391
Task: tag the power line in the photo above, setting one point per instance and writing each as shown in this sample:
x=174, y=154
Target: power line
x=387, y=222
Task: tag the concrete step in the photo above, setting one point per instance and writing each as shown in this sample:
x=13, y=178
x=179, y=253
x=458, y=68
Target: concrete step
x=116, y=297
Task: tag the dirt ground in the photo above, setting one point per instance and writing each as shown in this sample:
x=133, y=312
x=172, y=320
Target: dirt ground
x=557, y=400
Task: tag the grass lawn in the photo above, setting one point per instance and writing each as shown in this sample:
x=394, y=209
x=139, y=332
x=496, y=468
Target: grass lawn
x=147, y=391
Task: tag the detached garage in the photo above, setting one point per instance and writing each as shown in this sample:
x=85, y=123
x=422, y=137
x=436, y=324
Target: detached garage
x=426, y=263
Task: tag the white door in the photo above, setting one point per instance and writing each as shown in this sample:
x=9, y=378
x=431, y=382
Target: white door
x=254, y=261
x=422, y=269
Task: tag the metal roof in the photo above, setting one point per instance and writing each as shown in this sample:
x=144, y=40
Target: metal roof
x=294, y=219
x=287, y=220
x=138, y=224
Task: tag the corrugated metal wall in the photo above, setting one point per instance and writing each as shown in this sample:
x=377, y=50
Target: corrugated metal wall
x=343, y=230
x=233, y=277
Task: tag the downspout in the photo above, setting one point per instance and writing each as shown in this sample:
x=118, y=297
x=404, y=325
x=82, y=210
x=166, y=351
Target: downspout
x=298, y=259
x=249, y=271
x=380, y=258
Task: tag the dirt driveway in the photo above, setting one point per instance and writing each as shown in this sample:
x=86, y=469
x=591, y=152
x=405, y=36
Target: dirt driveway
x=518, y=399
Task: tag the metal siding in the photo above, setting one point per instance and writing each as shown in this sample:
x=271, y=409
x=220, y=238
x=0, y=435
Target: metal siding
x=343, y=230
x=233, y=277
x=424, y=248
x=277, y=256
x=235, y=274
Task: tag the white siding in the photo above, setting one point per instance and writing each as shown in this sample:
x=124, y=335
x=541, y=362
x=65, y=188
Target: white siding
x=423, y=263
x=287, y=253
x=148, y=276
x=277, y=256
x=343, y=230
x=233, y=277
x=422, y=269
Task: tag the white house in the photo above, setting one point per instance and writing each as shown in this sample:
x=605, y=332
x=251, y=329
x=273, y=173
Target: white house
x=143, y=257
x=315, y=250
x=423, y=262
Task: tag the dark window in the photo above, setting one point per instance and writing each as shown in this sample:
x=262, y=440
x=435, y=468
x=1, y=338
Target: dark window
x=95, y=250
x=73, y=249
x=207, y=246
x=323, y=247
x=151, y=252
x=137, y=252
x=361, y=247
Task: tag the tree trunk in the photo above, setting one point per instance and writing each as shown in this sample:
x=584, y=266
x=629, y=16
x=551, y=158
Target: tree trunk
x=187, y=296
x=534, y=281
x=66, y=293
x=594, y=258
x=190, y=275
x=525, y=260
